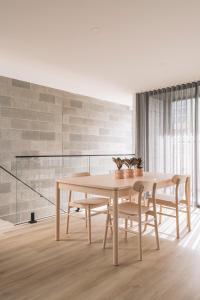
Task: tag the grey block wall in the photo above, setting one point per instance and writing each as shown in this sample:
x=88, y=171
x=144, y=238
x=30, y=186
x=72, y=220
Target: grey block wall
x=38, y=120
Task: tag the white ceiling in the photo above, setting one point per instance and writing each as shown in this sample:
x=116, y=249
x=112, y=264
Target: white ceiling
x=104, y=48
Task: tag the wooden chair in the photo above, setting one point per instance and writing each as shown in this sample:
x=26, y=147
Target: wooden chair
x=175, y=202
x=136, y=212
x=86, y=203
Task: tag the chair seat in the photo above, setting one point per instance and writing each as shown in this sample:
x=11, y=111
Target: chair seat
x=164, y=199
x=92, y=202
x=130, y=208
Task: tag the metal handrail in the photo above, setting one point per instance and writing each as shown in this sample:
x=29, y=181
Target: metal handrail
x=73, y=155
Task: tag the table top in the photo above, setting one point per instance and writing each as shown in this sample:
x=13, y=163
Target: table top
x=109, y=182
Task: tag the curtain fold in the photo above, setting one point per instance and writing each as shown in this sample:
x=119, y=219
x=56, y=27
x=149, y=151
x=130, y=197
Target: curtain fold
x=142, y=128
x=168, y=138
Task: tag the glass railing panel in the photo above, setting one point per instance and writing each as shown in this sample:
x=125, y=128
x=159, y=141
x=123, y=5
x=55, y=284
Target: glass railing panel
x=40, y=174
x=28, y=201
x=74, y=164
x=71, y=165
x=103, y=164
x=7, y=197
x=33, y=189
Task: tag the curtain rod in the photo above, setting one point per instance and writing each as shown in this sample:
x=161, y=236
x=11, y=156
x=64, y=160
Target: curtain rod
x=173, y=87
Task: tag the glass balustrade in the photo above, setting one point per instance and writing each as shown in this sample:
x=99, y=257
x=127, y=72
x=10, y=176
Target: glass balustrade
x=32, y=186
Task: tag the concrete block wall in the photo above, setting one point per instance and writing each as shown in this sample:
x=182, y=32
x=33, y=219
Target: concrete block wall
x=38, y=120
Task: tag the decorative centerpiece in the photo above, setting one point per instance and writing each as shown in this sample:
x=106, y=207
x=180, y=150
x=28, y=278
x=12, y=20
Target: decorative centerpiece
x=139, y=170
x=130, y=163
x=137, y=163
x=119, y=174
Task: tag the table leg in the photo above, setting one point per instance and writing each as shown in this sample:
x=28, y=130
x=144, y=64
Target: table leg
x=188, y=205
x=57, y=212
x=115, y=229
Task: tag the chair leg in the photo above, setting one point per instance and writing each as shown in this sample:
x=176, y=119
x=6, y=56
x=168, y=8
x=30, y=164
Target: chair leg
x=89, y=225
x=86, y=217
x=108, y=219
x=146, y=217
x=177, y=223
x=140, y=239
x=126, y=226
x=68, y=214
x=156, y=232
x=145, y=224
x=160, y=216
x=188, y=218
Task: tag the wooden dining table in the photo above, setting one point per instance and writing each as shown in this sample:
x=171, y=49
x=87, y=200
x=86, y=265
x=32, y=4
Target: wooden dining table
x=108, y=186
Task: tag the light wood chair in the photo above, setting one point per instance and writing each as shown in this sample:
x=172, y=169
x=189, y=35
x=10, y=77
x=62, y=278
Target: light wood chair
x=136, y=212
x=175, y=202
x=87, y=203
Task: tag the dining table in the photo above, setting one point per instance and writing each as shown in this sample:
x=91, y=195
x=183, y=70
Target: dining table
x=107, y=186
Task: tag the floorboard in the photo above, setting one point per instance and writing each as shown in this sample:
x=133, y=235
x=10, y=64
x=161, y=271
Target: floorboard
x=33, y=266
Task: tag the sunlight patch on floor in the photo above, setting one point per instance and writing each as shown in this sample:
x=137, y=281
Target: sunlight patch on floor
x=167, y=230
x=190, y=240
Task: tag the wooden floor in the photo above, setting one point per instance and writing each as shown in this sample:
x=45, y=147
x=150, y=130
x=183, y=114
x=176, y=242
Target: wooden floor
x=33, y=266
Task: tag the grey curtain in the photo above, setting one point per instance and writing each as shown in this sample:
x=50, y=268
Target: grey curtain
x=168, y=139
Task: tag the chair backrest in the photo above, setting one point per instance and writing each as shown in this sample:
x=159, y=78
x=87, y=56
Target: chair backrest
x=179, y=180
x=81, y=174
x=145, y=186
